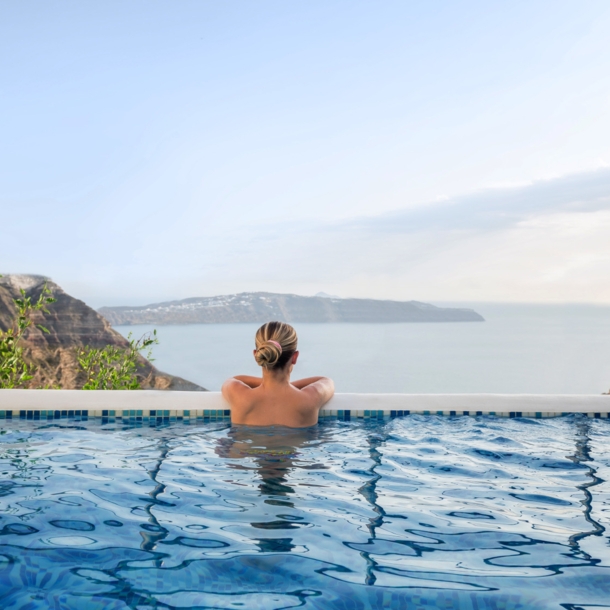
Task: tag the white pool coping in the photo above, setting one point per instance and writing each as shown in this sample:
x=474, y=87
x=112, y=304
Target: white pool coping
x=204, y=404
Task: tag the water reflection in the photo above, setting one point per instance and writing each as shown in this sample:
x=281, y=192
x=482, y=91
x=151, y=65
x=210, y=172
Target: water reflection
x=582, y=456
x=152, y=532
x=375, y=441
x=272, y=452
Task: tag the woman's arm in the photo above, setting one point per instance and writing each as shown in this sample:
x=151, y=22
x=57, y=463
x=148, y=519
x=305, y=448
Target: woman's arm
x=234, y=389
x=319, y=392
x=251, y=382
x=299, y=384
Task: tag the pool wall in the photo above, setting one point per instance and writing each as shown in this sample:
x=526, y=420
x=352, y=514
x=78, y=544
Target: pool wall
x=165, y=405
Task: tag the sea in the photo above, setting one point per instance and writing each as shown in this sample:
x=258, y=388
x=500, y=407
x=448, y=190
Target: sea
x=531, y=349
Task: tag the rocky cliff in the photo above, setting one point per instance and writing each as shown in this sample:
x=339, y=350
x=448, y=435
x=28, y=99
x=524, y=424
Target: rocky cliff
x=71, y=324
x=261, y=307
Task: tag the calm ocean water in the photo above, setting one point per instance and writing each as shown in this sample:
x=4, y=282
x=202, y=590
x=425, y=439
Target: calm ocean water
x=518, y=349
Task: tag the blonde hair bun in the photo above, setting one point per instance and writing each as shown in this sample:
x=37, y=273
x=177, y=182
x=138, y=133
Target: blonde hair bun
x=268, y=355
x=276, y=342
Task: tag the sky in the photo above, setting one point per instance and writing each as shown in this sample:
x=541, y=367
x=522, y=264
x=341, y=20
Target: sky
x=436, y=151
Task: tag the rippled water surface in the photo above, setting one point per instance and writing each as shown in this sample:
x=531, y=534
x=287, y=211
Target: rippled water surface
x=418, y=513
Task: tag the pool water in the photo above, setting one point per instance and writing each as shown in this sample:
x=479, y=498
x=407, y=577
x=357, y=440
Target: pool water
x=423, y=512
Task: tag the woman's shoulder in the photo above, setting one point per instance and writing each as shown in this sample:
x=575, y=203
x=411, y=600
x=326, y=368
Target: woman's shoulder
x=236, y=392
x=317, y=390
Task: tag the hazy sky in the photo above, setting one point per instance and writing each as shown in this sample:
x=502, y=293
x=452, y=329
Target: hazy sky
x=439, y=151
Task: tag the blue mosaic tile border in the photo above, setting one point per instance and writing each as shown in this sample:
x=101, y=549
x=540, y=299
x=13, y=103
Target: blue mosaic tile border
x=206, y=415
x=126, y=415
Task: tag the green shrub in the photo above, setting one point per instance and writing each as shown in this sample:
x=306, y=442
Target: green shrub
x=107, y=368
x=112, y=367
x=15, y=372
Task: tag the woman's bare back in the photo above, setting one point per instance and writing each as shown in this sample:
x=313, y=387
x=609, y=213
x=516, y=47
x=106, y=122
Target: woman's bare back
x=257, y=401
x=273, y=400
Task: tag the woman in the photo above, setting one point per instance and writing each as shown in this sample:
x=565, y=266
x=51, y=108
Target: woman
x=273, y=400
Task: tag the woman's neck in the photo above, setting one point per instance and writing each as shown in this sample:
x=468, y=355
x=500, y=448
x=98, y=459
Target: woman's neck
x=277, y=377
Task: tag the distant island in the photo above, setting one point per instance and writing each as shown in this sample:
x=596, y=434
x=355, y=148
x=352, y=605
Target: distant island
x=259, y=307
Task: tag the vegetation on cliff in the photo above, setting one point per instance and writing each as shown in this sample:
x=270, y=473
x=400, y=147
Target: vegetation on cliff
x=112, y=367
x=15, y=371
x=54, y=341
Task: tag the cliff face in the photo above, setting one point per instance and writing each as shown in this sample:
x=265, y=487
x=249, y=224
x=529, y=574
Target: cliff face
x=261, y=307
x=71, y=324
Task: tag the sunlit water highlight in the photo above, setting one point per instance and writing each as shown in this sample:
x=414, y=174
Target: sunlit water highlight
x=423, y=512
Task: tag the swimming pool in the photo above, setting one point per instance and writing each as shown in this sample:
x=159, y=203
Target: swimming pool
x=419, y=512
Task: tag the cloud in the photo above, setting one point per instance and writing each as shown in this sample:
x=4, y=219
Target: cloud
x=498, y=208
x=547, y=241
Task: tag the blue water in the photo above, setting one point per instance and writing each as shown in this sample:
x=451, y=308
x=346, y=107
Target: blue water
x=418, y=513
